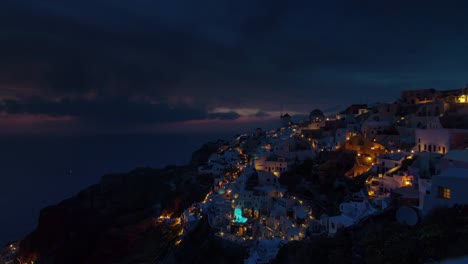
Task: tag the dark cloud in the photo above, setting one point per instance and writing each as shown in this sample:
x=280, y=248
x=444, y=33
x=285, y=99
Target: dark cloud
x=236, y=53
x=224, y=116
x=261, y=114
x=103, y=111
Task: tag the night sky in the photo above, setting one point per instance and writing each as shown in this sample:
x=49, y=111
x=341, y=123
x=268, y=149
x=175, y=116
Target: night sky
x=125, y=66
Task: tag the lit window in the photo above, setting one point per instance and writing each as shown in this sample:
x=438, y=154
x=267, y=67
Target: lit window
x=462, y=99
x=444, y=193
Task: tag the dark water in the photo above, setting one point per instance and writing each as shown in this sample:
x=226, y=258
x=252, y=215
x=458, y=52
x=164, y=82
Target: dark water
x=39, y=171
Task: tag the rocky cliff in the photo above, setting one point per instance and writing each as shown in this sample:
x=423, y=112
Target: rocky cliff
x=106, y=222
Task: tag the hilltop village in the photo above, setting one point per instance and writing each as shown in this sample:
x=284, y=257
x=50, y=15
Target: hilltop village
x=410, y=155
x=265, y=190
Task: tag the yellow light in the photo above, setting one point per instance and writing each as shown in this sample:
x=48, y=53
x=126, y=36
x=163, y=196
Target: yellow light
x=462, y=99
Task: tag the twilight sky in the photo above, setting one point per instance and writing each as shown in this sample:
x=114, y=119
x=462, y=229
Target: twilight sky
x=149, y=65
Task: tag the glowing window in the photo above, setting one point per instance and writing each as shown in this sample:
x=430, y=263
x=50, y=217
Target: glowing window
x=444, y=193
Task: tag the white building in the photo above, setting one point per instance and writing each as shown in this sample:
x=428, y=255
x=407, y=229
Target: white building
x=389, y=161
x=273, y=164
x=267, y=178
x=440, y=140
x=454, y=159
x=382, y=185
x=335, y=223
x=447, y=189
x=371, y=128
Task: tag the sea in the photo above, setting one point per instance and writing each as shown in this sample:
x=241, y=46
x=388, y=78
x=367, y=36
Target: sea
x=38, y=171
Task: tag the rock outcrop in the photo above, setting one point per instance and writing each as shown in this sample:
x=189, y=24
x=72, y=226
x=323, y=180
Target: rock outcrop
x=104, y=222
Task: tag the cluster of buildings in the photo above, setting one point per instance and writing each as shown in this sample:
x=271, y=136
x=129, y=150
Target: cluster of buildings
x=414, y=153
x=247, y=205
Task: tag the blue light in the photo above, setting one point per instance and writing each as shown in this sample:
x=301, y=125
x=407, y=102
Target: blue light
x=238, y=216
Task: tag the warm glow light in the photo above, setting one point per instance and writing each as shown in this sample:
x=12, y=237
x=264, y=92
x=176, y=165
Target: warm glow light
x=165, y=216
x=462, y=99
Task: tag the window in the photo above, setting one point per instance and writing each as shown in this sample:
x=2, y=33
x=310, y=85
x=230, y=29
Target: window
x=444, y=193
